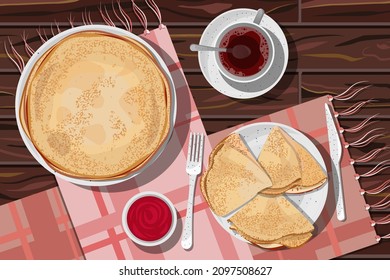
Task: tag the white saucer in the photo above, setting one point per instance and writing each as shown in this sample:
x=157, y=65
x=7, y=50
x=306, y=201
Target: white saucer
x=208, y=63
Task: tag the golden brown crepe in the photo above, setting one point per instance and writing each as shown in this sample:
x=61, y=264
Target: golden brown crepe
x=272, y=220
x=279, y=160
x=233, y=176
x=312, y=175
x=96, y=106
x=290, y=241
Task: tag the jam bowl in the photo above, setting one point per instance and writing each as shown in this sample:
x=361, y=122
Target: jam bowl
x=149, y=218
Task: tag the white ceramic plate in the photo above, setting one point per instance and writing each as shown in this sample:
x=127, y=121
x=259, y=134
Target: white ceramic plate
x=309, y=203
x=48, y=45
x=208, y=63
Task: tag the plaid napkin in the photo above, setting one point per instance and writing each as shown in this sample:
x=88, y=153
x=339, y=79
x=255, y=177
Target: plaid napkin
x=37, y=227
x=334, y=238
x=96, y=212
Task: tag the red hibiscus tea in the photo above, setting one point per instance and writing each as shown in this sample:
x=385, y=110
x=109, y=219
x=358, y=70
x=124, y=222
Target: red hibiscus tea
x=253, y=42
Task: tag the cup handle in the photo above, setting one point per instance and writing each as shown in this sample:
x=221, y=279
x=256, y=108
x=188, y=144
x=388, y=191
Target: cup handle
x=259, y=16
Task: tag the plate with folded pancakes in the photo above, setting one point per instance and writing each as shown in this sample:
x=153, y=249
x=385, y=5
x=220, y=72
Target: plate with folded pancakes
x=96, y=105
x=266, y=184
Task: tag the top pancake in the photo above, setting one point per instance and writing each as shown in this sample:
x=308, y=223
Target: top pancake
x=280, y=161
x=233, y=177
x=96, y=106
x=312, y=175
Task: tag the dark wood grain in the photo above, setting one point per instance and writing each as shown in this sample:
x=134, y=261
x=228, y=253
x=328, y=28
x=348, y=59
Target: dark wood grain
x=210, y=103
x=320, y=48
x=8, y=83
x=20, y=181
x=357, y=48
x=377, y=251
x=345, y=11
x=327, y=48
x=319, y=84
x=12, y=148
x=43, y=12
x=332, y=44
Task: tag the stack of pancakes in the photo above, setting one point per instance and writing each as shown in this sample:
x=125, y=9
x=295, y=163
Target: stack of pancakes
x=96, y=106
x=253, y=189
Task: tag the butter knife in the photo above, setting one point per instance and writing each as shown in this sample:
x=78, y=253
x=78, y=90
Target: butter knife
x=336, y=152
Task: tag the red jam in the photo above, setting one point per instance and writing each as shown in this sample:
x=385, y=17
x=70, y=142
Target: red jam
x=149, y=218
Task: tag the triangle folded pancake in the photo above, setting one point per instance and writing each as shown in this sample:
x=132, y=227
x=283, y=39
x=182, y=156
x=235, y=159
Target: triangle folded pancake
x=272, y=220
x=290, y=241
x=280, y=161
x=233, y=177
x=312, y=175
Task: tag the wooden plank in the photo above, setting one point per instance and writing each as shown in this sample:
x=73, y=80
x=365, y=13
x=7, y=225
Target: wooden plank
x=377, y=251
x=14, y=152
x=33, y=37
x=173, y=12
x=20, y=181
x=216, y=125
x=212, y=104
x=182, y=39
x=8, y=83
x=345, y=11
x=319, y=84
x=12, y=148
x=332, y=48
x=312, y=49
x=209, y=101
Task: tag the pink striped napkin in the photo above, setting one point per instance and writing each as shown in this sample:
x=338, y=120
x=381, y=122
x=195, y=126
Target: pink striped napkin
x=333, y=238
x=37, y=227
x=96, y=212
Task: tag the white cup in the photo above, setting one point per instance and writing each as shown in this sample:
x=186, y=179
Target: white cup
x=255, y=25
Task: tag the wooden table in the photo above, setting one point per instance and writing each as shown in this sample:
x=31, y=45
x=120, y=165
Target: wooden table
x=331, y=47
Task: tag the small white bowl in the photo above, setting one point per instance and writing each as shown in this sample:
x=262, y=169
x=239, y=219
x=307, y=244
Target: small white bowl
x=145, y=242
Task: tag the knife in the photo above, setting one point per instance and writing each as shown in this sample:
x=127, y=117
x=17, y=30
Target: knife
x=336, y=152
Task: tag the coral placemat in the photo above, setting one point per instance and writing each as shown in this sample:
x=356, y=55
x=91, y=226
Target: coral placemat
x=332, y=237
x=37, y=227
x=96, y=212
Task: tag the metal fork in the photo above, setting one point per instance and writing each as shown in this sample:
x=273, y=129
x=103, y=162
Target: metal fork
x=193, y=168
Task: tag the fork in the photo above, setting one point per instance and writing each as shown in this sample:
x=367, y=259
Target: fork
x=193, y=168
